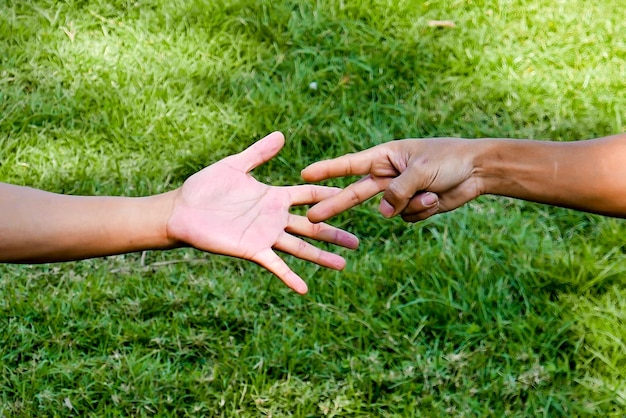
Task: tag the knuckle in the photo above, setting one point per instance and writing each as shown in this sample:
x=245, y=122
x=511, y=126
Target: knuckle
x=316, y=229
x=349, y=163
x=353, y=196
x=302, y=246
x=396, y=190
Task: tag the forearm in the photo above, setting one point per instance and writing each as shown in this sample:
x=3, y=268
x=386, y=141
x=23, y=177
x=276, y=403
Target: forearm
x=38, y=226
x=585, y=175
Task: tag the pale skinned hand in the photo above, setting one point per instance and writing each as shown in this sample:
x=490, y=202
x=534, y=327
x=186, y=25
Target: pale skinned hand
x=419, y=178
x=222, y=209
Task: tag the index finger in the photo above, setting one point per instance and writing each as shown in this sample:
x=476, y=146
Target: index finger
x=358, y=163
x=351, y=196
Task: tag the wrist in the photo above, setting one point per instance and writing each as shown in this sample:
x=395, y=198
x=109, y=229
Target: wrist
x=485, y=171
x=158, y=212
x=518, y=168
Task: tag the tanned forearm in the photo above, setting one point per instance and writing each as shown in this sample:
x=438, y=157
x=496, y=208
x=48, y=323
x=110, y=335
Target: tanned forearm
x=585, y=175
x=39, y=226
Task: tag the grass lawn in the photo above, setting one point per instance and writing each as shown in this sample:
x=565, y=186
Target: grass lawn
x=501, y=308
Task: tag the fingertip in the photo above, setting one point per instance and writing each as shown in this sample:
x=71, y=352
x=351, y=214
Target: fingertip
x=309, y=174
x=298, y=285
x=429, y=199
x=277, y=139
x=349, y=241
x=342, y=264
x=279, y=136
x=332, y=261
x=313, y=216
x=259, y=152
x=386, y=209
x=302, y=291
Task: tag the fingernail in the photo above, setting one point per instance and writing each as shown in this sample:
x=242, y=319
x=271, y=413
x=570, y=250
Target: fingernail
x=385, y=208
x=429, y=199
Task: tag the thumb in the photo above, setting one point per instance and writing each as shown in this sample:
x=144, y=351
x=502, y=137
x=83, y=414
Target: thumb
x=399, y=193
x=258, y=153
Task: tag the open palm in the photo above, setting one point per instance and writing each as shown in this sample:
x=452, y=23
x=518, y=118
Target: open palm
x=224, y=210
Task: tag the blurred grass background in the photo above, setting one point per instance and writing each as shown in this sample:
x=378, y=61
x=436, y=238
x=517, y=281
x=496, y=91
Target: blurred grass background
x=502, y=308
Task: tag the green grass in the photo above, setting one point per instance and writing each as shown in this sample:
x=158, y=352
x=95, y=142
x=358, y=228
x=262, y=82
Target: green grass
x=501, y=308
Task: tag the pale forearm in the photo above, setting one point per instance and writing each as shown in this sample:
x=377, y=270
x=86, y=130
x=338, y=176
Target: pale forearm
x=37, y=226
x=586, y=175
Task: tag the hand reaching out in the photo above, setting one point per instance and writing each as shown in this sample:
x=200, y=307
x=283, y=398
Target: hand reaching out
x=422, y=177
x=419, y=178
x=222, y=209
